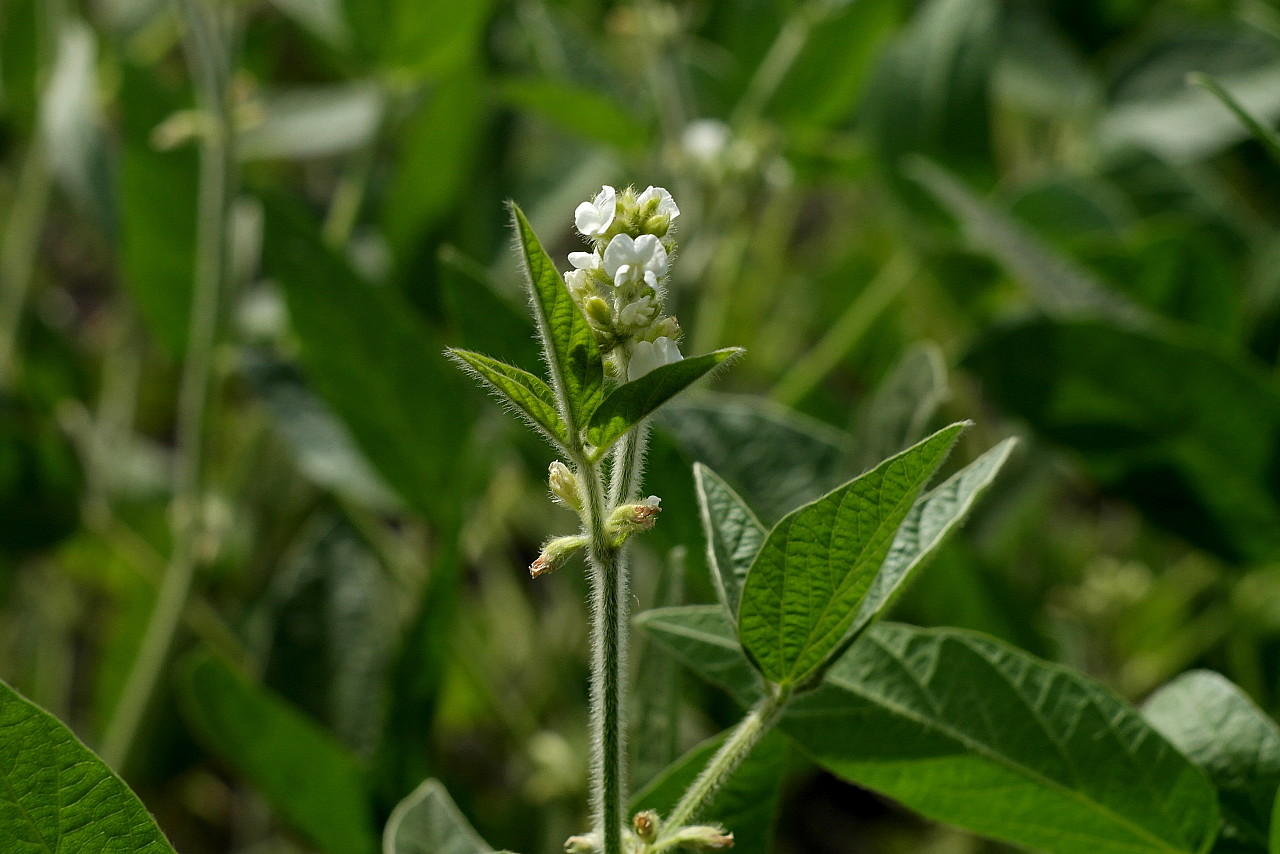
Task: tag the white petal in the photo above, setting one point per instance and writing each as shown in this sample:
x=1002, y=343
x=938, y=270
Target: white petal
x=621, y=250
x=584, y=260
x=587, y=220
x=667, y=351
x=643, y=360
x=666, y=205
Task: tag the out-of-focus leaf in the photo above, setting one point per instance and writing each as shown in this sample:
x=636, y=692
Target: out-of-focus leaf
x=310, y=779
x=1041, y=71
x=312, y=122
x=435, y=159
x=1066, y=209
x=322, y=447
x=817, y=564
x=58, y=795
x=70, y=124
x=1056, y=284
x=840, y=44
x=926, y=527
x=773, y=454
x=899, y=411
x=19, y=47
x=375, y=364
x=573, y=356
x=733, y=535
x=528, y=394
x=1199, y=454
x=1154, y=107
x=930, y=94
x=157, y=211
x=584, y=112
x=1275, y=826
x=630, y=403
x=428, y=822
x=331, y=638
x=1265, y=135
x=40, y=478
x=746, y=806
x=967, y=730
x=417, y=39
x=1233, y=741
x=322, y=17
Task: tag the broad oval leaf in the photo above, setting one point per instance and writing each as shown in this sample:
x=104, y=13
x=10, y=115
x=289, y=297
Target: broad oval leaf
x=817, y=564
x=1220, y=729
x=703, y=638
x=733, y=533
x=307, y=776
x=531, y=397
x=628, y=404
x=573, y=356
x=428, y=822
x=58, y=796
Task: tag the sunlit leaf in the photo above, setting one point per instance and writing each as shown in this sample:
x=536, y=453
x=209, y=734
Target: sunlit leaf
x=585, y=112
x=733, y=535
x=57, y=796
x=529, y=395
x=817, y=564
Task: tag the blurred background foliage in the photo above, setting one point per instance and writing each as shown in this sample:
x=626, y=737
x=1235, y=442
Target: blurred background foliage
x=1014, y=211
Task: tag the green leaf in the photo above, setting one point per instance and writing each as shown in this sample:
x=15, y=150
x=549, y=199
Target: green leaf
x=577, y=368
x=817, y=564
x=703, y=638
x=627, y=404
x=1275, y=826
x=931, y=520
x=1269, y=138
x=733, y=533
x=1198, y=456
x=310, y=779
x=428, y=822
x=747, y=805
x=415, y=39
x=896, y=415
x=967, y=730
x=583, y=111
x=527, y=393
x=57, y=796
x=1219, y=728
x=375, y=364
x=1056, y=284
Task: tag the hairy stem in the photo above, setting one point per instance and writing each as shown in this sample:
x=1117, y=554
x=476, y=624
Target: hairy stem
x=608, y=666
x=726, y=761
x=206, y=56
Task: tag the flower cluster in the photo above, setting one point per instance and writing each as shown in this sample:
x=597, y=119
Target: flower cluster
x=619, y=283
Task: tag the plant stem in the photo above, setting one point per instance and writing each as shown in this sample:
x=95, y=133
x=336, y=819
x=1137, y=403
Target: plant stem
x=726, y=761
x=18, y=253
x=207, y=59
x=608, y=666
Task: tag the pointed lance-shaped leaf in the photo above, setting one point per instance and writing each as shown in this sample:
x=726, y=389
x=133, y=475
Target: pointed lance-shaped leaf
x=529, y=395
x=734, y=535
x=817, y=564
x=629, y=403
x=428, y=822
x=568, y=343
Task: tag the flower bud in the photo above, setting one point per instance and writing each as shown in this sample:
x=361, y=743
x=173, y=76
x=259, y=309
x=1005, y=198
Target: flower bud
x=657, y=225
x=555, y=553
x=564, y=485
x=702, y=837
x=587, y=844
x=667, y=327
x=598, y=310
x=646, y=826
x=629, y=519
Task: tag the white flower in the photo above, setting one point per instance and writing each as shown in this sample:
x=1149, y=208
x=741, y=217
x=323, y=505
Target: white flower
x=579, y=282
x=648, y=355
x=585, y=260
x=638, y=314
x=593, y=218
x=705, y=141
x=666, y=204
x=641, y=259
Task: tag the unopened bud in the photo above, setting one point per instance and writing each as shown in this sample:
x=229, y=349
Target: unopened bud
x=598, y=310
x=702, y=837
x=667, y=327
x=657, y=225
x=633, y=518
x=646, y=826
x=564, y=485
x=555, y=553
x=588, y=844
